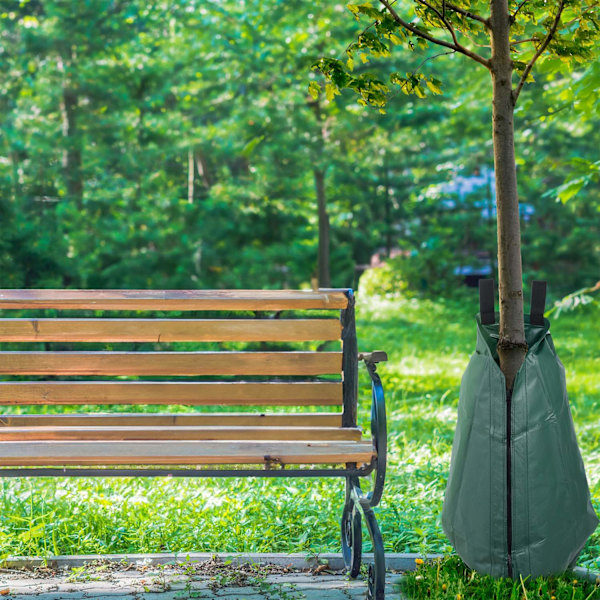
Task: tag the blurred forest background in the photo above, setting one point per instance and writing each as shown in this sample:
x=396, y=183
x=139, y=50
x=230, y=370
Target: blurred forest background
x=173, y=144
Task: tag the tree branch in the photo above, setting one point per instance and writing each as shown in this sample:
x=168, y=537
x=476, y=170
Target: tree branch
x=514, y=15
x=533, y=39
x=473, y=55
x=540, y=51
x=416, y=70
x=468, y=13
x=432, y=58
x=442, y=18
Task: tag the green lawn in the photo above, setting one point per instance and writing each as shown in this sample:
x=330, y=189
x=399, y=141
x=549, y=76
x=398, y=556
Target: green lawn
x=428, y=344
x=451, y=579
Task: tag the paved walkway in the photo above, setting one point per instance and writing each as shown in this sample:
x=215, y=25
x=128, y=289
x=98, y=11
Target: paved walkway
x=216, y=581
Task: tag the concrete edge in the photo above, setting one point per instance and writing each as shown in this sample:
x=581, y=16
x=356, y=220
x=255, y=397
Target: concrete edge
x=335, y=562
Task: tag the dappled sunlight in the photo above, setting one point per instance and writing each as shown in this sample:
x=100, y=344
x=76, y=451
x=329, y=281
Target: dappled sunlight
x=428, y=364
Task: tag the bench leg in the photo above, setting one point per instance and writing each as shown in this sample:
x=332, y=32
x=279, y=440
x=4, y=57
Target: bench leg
x=351, y=533
x=356, y=500
x=376, y=589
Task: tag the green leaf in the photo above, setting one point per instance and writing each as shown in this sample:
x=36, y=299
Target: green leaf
x=314, y=89
x=419, y=91
x=249, y=147
x=571, y=189
x=331, y=91
x=434, y=85
x=364, y=9
x=35, y=532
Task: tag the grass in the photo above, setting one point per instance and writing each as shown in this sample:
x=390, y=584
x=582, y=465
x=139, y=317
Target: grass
x=450, y=579
x=429, y=344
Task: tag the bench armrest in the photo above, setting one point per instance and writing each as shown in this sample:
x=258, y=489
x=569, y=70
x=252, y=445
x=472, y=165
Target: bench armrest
x=378, y=424
x=373, y=357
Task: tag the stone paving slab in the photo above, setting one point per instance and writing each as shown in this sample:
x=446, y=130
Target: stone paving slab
x=170, y=583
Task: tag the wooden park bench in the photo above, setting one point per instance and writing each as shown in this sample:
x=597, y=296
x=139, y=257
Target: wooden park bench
x=288, y=443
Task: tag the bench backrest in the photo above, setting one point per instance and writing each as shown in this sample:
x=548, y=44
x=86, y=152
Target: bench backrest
x=252, y=377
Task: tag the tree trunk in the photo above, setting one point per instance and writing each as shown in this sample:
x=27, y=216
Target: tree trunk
x=190, y=193
x=319, y=169
x=16, y=178
x=72, y=160
x=141, y=138
x=72, y=153
x=203, y=170
x=512, y=346
x=388, y=208
x=323, y=258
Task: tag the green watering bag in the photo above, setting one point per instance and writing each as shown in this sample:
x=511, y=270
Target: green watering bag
x=517, y=500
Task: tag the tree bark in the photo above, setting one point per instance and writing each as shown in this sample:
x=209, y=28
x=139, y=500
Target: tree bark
x=323, y=254
x=512, y=345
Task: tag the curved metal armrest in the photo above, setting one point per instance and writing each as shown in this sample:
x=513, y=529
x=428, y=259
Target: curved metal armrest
x=378, y=424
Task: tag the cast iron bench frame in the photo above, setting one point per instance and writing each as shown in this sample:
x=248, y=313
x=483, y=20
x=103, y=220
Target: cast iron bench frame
x=356, y=503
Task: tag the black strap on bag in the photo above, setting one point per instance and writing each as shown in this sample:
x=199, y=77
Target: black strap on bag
x=538, y=302
x=486, y=301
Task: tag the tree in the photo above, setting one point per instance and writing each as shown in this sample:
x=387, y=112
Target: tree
x=507, y=42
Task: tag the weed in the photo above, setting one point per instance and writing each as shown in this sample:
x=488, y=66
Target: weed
x=228, y=575
x=93, y=571
x=159, y=580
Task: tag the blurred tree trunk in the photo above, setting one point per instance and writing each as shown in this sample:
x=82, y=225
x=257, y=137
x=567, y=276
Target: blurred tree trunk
x=323, y=271
x=72, y=159
x=190, y=176
x=323, y=254
x=388, y=207
x=204, y=170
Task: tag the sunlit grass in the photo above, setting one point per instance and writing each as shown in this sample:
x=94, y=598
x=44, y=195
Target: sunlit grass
x=450, y=579
x=429, y=344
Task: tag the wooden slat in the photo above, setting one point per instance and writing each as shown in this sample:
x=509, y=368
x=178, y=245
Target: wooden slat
x=180, y=433
x=174, y=420
x=172, y=299
x=181, y=453
x=170, y=363
x=166, y=392
x=168, y=330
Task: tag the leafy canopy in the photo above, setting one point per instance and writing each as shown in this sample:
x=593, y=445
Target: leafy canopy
x=566, y=31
